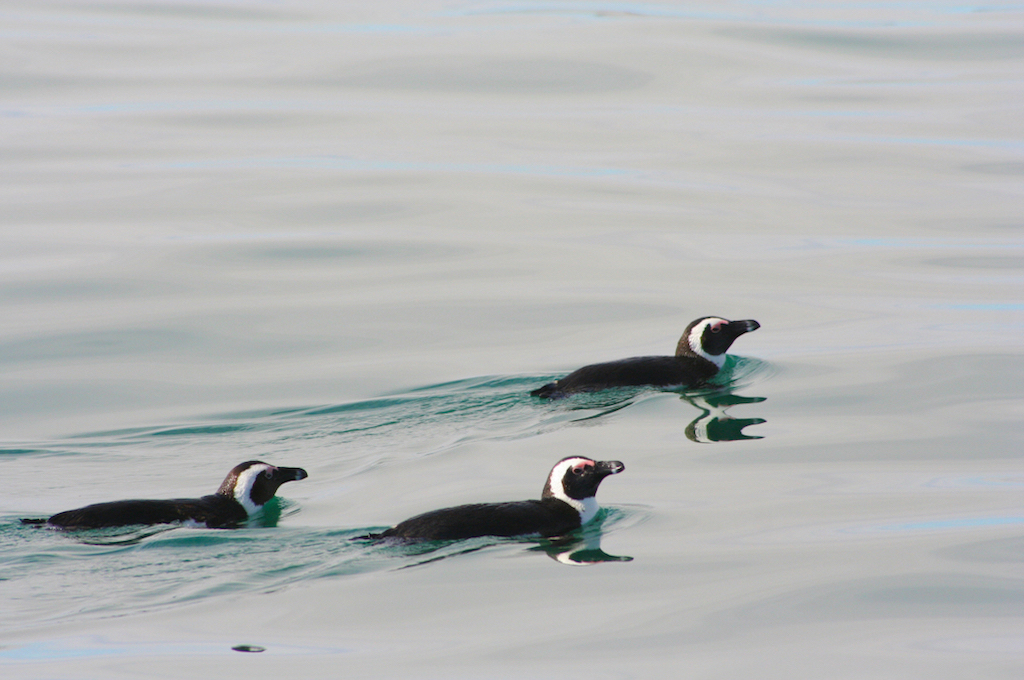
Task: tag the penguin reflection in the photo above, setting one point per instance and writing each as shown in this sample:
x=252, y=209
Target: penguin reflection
x=580, y=550
x=714, y=424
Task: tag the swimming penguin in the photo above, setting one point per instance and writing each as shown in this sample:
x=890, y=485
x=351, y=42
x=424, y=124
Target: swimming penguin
x=566, y=503
x=699, y=355
x=242, y=494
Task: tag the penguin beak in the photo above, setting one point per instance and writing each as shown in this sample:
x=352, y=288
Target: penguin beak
x=610, y=467
x=289, y=474
x=741, y=327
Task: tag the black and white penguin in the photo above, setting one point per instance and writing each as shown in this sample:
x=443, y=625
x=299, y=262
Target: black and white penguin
x=242, y=495
x=567, y=503
x=699, y=356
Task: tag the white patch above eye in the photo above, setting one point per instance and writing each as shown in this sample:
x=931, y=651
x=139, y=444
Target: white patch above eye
x=243, y=487
x=695, y=340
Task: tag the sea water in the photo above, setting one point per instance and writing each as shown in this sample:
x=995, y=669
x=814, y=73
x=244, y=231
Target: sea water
x=352, y=237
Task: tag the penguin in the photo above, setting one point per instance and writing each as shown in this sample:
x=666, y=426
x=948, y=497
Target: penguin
x=567, y=503
x=699, y=356
x=241, y=495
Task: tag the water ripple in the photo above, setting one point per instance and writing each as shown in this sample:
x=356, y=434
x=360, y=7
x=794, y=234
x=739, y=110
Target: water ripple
x=438, y=417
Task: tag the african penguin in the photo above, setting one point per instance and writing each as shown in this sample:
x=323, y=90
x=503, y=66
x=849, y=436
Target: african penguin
x=567, y=503
x=241, y=495
x=699, y=356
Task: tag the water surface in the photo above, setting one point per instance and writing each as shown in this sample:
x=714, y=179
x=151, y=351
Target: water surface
x=353, y=238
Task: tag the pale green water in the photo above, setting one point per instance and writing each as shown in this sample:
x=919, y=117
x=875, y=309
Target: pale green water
x=352, y=238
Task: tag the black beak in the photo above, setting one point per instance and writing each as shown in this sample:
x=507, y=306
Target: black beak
x=610, y=467
x=287, y=474
x=741, y=327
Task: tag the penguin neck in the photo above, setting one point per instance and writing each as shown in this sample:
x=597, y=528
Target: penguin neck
x=586, y=507
x=242, y=491
x=690, y=346
x=250, y=508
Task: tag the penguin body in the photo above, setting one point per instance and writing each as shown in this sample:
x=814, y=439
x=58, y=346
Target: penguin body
x=567, y=502
x=241, y=495
x=700, y=354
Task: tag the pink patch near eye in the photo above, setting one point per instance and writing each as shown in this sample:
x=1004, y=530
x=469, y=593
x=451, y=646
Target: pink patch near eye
x=582, y=466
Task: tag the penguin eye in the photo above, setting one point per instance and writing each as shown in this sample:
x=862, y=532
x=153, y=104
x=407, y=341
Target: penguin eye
x=715, y=328
x=579, y=470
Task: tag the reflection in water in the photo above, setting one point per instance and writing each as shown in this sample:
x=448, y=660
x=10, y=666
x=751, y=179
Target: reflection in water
x=117, y=535
x=434, y=550
x=580, y=550
x=581, y=547
x=576, y=549
x=714, y=424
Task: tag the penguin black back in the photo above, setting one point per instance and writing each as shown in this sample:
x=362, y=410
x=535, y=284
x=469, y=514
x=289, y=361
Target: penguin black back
x=567, y=502
x=699, y=355
x=241, y=495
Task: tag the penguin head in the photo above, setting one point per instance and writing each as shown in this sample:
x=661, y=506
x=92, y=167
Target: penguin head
x=574, y=480
x=711, y=337
x=254, y=482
